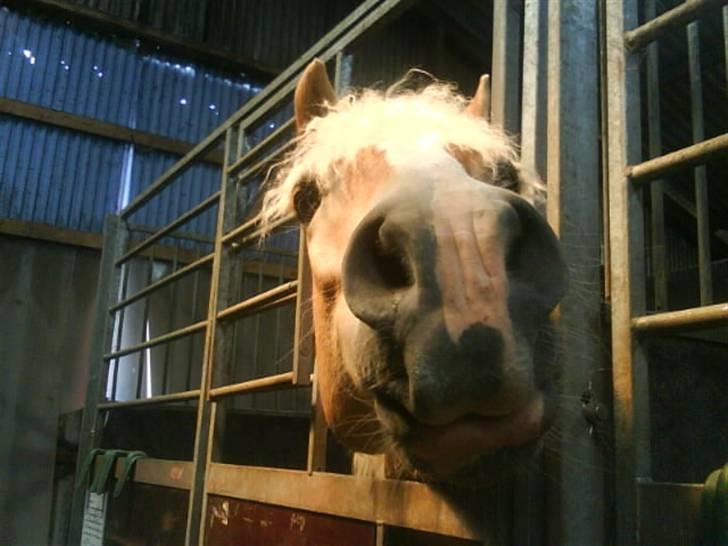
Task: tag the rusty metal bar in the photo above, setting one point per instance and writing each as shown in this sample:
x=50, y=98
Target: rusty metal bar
x=679, y=159
x=180, y=220
x=275, y=296
x=153, y=400
x=698, y=317
x=171, y=336
x=676, y=17
x=626, y=240
x=175, y=275
x=255, y=150
x=263, y=384
x=700, y=172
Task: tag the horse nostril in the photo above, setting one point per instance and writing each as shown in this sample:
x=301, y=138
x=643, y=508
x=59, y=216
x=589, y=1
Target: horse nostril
x=377, y=270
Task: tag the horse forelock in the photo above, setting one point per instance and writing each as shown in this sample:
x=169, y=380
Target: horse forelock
x=398, y=122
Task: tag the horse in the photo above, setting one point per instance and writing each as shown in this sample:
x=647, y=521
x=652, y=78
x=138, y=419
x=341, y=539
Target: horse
x=434, y=277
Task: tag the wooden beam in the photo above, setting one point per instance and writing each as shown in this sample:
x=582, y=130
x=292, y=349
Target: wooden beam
x=102, y=129
x=179, y=46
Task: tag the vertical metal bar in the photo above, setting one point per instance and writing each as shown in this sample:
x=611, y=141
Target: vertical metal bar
x=700, y=173
x=206, y=408
x=115, y=237
x=118, y=322
x=658, y=249
x=191, y=344
x=505, y=106
x=144, y=362
x=626, y=237
x=528, y=526
x=725, y=42
x=575, y=500
x=172, y=321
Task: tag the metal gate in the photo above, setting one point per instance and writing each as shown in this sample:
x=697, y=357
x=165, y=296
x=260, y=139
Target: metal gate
x=635, y=181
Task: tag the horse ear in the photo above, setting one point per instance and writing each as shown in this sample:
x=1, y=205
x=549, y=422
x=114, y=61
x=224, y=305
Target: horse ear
x=313, y=91
x=479, y=105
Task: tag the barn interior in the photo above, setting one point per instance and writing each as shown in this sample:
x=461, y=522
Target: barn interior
x=107, y=264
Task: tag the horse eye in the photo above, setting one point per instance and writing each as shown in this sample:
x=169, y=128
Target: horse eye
x=306, y=199
x=506, y=176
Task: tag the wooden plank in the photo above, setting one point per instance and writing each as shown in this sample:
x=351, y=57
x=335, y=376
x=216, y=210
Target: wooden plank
x=52, y=234
x=505, y=107
x=402, y=503
x=102, y=129
x=183, y=47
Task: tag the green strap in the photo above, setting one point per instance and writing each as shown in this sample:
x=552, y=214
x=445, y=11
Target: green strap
x=107, y=463
x=88, y=461
x=131, y=458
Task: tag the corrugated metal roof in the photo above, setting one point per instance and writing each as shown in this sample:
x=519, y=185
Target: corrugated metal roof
x=64, y=178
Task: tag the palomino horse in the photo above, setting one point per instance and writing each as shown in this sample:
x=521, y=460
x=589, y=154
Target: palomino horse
x=433, y=280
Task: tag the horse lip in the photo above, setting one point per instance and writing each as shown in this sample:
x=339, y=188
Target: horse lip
x=471, y=436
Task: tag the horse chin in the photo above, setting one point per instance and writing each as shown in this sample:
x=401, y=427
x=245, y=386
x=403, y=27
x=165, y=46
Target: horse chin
x=470, y=451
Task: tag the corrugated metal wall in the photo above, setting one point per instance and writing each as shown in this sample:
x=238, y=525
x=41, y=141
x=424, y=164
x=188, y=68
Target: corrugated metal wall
x=270, y=33
x=70, y=180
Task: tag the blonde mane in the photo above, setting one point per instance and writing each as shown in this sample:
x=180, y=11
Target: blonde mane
x=395, y=121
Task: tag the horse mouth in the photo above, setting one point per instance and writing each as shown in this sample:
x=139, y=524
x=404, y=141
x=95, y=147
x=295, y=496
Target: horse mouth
x=443, y=449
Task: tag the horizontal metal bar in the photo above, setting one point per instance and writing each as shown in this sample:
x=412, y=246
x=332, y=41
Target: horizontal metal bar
x=698, y=317
x=680, y=159
x=151, y=401
x=678, y=16
x=267, y=160
x=279, y=294
x=180, y=220
x=366, y=15
x=263, y=384
x=401, y=503
x=260, y=146
x=186, y=235
x=171, y=336
x=245, y=234
x=167, y=279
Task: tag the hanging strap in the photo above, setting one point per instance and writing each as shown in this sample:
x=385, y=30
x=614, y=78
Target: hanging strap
x=129, y=461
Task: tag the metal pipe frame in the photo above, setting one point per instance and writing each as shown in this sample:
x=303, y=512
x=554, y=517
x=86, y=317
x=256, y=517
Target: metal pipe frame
x=676, y=17
x=159, y=340
x=275, y=296
x=354, y=25
x=275, y=135
x=697, y=317
x=153, y=400
x=167, y=279
x=179, y=221
x=269, y=383
x=684, y=158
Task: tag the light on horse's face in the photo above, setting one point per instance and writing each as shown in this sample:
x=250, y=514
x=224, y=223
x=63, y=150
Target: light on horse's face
x=431, y=290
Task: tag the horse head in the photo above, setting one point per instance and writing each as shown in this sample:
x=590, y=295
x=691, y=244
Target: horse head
x=434, y=276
